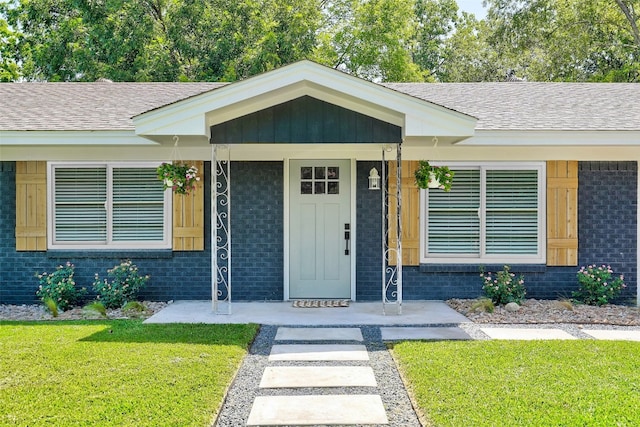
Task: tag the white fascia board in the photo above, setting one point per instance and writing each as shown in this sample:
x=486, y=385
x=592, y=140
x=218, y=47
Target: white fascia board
x=305, y=77
x=84, y=138
x=297, y=90
x=553, y=138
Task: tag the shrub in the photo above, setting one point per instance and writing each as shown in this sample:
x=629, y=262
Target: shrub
x=503, y=287
x=123, y=287
x=484, y=305
x=51, y=306
x=134, y=309
x=96, y=307
x=59, y=287
x=597, y=285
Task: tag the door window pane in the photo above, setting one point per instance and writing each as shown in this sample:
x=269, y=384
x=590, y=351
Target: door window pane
x=306, y=187
x=306, y=172
x=319, y=180
x=333, y=187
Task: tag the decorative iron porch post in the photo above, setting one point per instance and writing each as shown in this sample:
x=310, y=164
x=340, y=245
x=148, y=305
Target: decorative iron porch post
x=221, y=227
x=392, y=275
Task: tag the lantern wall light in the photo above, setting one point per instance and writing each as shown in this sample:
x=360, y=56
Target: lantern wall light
x=374, y=179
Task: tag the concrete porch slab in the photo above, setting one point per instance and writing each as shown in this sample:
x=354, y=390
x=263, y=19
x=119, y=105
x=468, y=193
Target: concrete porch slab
x=527, y=334
x=609, y=334
x=317, y=376
x=317, y=410
x=318, y=352
x=409, y=333
x=319, y=334
x=282, y=313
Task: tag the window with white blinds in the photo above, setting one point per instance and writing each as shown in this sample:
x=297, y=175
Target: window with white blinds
x=493, y=213
x=115, y=205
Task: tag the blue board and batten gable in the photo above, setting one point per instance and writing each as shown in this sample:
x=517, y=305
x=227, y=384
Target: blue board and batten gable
x=305, y=120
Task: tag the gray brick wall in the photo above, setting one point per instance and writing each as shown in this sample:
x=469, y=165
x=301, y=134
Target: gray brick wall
x=607, y=234
x=257, y=246
x=607, y=215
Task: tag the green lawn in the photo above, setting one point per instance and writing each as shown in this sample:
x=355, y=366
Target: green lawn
x=125, y=373
x=523, y=383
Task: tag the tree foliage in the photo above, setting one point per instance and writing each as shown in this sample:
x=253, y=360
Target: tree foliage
x=380, y=40
x=159, y=40
x=568, y=40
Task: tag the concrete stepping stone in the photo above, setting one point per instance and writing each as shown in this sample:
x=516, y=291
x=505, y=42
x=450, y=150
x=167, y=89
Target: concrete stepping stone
x=318, y=376
x=527, y=334
x=423, y=333
x=319, y=334
x=609, y=334
x=317, y=409
x=318, y=352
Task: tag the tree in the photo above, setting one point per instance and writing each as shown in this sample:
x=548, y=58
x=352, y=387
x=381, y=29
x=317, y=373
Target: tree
x=370, y=39
x=436, y=22
x=468, y=56
x=9, y=69
x=568, y=40
x=160, y=40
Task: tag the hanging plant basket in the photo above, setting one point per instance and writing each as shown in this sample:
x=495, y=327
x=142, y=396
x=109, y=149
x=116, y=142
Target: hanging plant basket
x=179, y=177
x=428, y=176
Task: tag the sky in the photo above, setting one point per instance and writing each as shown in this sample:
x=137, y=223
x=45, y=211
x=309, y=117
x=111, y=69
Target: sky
x=472, y=6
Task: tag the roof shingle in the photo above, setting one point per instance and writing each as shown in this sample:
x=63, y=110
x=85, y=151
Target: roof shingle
x=86, y=106
x=498, y=106
x=537, y=106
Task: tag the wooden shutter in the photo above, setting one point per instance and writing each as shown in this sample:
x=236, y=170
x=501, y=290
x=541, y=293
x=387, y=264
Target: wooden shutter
x=31, y=206
x=562, y=213
x=410, y=213
x=188, y=216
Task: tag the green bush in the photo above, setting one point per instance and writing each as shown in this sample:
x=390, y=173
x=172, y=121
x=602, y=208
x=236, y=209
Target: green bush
x=96, y=307
x=503, y=287
x=123, y=287
x=59, y=287
x=597, y=285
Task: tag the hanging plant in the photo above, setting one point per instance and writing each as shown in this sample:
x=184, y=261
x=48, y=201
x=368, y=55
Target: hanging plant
x=428, y=176
x=180, y=178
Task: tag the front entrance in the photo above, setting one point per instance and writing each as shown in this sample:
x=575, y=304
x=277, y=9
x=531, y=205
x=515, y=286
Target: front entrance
x=320, y=229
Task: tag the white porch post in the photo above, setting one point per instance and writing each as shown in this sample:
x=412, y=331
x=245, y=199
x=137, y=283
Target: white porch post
x=392, y=275
x=220, y=229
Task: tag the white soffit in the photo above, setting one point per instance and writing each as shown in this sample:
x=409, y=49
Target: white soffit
x=78, y=138
x=554, y=138
x=195, y=115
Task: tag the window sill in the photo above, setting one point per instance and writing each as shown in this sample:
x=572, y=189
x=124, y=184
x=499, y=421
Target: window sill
x=122, y=254
x=475, y=268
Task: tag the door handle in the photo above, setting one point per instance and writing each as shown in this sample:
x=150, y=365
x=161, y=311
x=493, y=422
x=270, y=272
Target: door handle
x=347, y=237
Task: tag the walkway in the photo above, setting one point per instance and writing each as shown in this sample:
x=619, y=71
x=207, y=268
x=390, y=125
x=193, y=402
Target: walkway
x=318, y=376
x=283, y=313
x=345, y=375
x=327, y=371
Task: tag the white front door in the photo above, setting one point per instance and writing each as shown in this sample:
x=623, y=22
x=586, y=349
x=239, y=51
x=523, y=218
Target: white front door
x=320, y=230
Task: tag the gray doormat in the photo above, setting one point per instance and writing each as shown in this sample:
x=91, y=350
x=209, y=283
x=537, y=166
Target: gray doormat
x=320, y=303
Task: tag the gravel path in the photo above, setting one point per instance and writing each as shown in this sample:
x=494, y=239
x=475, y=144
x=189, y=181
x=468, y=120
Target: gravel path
x=243, y=391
